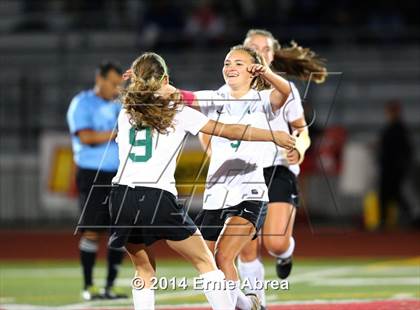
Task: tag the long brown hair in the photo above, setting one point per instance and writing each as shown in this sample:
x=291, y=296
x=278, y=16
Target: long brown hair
x=144, y=107
x=294, y=60
x=257, y=82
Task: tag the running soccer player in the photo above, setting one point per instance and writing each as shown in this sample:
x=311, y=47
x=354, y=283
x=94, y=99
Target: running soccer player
x=282, y=167
x=151, y=130
x=235, y=198
x=91, y=117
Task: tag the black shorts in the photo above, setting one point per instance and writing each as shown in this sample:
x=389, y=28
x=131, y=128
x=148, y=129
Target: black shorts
x=282, y=185
x=145, y=215
x=211, y=222
x=94, y=189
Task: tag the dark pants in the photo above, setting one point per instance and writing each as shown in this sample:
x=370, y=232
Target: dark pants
x=391, y=192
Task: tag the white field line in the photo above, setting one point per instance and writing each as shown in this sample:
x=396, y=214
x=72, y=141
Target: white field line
x=321, y=274
x=403, y=296
x=338, y=301
x=340, y=277
x=25, y=307
x=366, y=281
x=6, y=300
x=93, y=305
x=167, y=295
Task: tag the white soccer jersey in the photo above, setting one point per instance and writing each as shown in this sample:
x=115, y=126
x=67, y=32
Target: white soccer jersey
x=289, y=112
x=235, y=173
x=148, y=158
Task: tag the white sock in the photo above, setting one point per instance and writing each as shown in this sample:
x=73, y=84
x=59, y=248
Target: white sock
x=219, y=299
x=234, y=295
x=290, y=250
x=242, y=301
x=144, y=299
x=253, y=271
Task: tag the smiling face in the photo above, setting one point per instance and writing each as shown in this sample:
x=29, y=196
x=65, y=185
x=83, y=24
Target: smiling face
x=235, y=69
x=263, y=45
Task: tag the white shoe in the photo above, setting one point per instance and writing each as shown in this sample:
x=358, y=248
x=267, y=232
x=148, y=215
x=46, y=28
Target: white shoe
x=256, y=302
x=91, y=293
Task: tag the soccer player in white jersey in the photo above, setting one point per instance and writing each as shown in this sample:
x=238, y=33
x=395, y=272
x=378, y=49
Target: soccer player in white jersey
x=235, y=198
x=152, y=127
x=282, y=167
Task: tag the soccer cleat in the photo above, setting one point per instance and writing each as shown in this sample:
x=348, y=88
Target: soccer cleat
x=256, y=303
x=113, y=293
x=91, y=293
x=284, y=267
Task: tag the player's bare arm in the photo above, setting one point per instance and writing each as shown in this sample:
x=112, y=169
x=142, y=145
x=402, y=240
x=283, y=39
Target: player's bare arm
x=247, y=133
x=300, y=131
x=89, y=136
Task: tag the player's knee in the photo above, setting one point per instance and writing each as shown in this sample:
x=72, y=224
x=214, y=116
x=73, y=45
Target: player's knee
x=223, y=259
x=248, y=254
x=145, y=271
x=143, y=268
x=91, y=235
x=208, y=259
x=277, y=246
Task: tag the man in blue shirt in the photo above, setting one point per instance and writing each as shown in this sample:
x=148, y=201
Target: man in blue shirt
x=92, y=117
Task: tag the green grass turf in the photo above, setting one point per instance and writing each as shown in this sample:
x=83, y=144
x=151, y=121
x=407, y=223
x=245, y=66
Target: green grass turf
x=59, y=283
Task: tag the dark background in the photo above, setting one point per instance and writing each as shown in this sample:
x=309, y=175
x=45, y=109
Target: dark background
x=49, y=49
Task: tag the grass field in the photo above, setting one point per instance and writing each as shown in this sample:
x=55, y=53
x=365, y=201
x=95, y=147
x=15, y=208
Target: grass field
x=58, y=283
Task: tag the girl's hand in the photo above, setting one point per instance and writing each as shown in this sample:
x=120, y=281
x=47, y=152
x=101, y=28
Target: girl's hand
x=283, y=139
x=257, y=69
x=293, y=157
x=127, y=74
